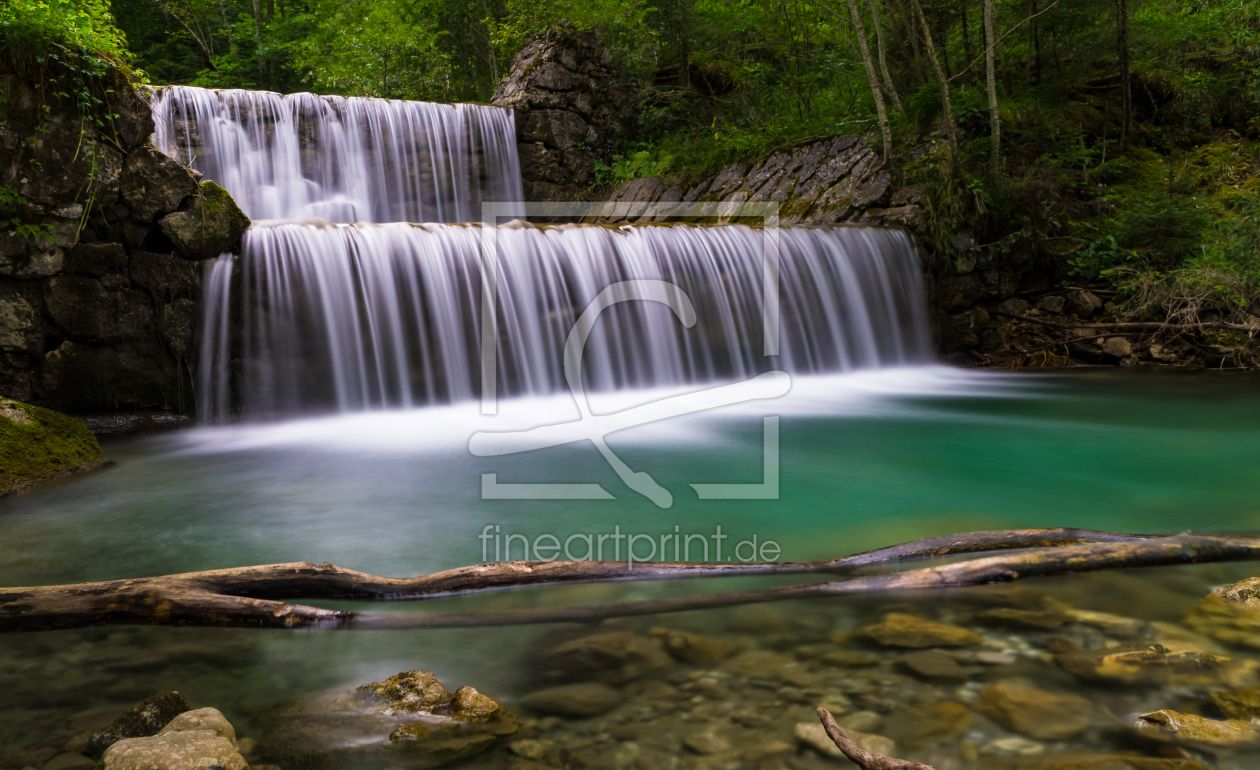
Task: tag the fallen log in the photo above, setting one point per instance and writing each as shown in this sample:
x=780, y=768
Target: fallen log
x=254, y=596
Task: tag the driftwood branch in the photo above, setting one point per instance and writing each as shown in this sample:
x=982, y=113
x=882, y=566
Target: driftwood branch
x=254, y=596
x=867, y=760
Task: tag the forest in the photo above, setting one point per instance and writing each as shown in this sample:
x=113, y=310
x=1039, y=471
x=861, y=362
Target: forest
x=1110, y=143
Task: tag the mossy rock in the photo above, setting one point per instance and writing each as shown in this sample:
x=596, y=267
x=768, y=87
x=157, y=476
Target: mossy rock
x=141, y=721
x=212, y=225
x=38, y=444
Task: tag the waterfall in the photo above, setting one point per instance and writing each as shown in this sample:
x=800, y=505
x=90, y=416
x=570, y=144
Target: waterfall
x=342, y=159
x=353, y=317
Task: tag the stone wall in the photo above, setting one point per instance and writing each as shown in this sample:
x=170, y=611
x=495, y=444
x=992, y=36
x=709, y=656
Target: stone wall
x=570, y=108
x=99, y=314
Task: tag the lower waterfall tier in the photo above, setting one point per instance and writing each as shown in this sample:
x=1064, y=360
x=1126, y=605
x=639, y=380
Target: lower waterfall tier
x=317, y=317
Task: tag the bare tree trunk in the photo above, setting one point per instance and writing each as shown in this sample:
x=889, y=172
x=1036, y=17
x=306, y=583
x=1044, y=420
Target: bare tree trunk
x=860, y=30
x=951, y=127
x=990, y=73
x=883, y=59
x=250, y=597
x=1126, y=92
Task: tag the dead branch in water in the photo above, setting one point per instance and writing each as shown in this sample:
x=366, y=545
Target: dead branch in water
x=867, y=760
x=253, y=596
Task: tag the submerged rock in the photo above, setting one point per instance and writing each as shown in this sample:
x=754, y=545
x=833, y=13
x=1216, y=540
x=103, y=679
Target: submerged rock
x=901, y=630
x=813, y=735
x=1230, y=614
x=1176, y=727
x=408, y=721
x=1238, y=704
x=613, y=658
x=1039, y=714
x=1023, y=619
x=39, y=444
x=933, y=665
x=921, y=725
x=142, y=721
x=195, y=740
x=691, y=648
x=574, y=700
x=1158, y=665
x=1110, y=762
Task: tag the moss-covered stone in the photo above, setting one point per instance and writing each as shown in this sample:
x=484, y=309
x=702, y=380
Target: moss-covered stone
x=142, y=721
x=37, y=444
x=212, y=225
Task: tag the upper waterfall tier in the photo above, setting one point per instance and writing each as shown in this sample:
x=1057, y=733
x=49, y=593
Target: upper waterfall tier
x=342, y=159
x=369, y=316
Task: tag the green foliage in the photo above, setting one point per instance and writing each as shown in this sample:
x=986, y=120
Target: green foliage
x=636, y=165
x=1163, y=232
x=36, y=31
x=11, y=203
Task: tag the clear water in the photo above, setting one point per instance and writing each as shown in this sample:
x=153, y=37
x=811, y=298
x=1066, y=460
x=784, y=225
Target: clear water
x=868, y=459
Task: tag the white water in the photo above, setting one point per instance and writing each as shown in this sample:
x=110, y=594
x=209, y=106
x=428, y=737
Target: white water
x=371, y=316
x=342, y=159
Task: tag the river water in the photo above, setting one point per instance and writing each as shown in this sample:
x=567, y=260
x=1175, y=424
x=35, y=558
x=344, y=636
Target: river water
x=866, y=460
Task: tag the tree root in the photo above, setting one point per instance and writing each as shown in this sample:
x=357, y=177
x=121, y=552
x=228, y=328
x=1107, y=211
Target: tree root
x=253, y=596
x=867, y=760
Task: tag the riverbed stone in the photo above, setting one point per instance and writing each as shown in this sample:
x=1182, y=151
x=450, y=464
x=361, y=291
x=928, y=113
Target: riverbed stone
x=613, y=658
x=921, y=725
x=1235, y=623
x=1110, y=762
x=1159, y=665
x=70, y=761
x=575, y=700
x=934, y=665
x=1035, y=713
x=1238, y=704
x=692, y=648
x=411, y=691
x=902, y=630
x=1192, y=729
x=813, y=735
x=211, y=226
x=851, y=659
x=1008, y=617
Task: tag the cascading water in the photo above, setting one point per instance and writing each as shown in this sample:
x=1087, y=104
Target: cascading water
x=370, y=316
x=342, y=159
x=316, y=316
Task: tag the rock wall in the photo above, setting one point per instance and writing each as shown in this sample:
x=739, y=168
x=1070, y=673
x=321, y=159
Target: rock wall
x=98, y=314
x=569, y=108
x=838, y=179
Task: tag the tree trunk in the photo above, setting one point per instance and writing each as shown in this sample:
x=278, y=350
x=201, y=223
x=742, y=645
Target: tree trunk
x=883, y=59
x=860, y=30
x=1126, y=92
x=990, y=74
x=966, y=35
x=951, y=128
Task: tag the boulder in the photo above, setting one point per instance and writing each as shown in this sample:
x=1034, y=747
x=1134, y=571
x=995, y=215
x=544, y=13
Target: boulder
x=901, y=630
x=19, y=321
x=1117, y=347
x=1081, y=303
x=691, y=648
x=1191, y=729
x=408, y=721
x=1052, y=305
x=574, y=700
x=39, y=444
x=153, y=183
x=144, y=720
x=211, y=226
x=196, y=740
x=1047, y=716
